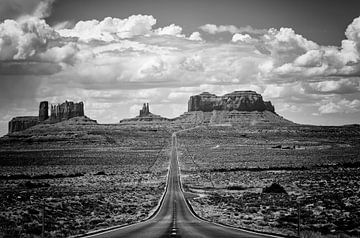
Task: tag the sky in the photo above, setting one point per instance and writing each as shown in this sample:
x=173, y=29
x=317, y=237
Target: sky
x=303, y=56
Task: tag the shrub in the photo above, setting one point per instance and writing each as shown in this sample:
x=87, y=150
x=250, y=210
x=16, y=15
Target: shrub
x=274, y=188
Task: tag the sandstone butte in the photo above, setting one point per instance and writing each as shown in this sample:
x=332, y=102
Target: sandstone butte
x=59, y=112
x=238, y=107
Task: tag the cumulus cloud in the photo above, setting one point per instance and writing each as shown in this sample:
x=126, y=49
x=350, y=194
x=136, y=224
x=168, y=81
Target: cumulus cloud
x=353, y=31
x=215, y=29
x=294, y=56
x=29, y=45
x=172, y=30
x=338, y=86
x=25, y=38
x=340, y=106
x=312, y=58
x=241, y=37
x=153, y=68
x=193, y=63
x=61, y=54
x=285, y=45
x=195, y=36
x=111, y=29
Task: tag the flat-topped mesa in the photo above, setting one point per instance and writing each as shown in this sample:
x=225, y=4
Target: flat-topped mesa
x=22, y=123
x=66, y=110
x=238, y=100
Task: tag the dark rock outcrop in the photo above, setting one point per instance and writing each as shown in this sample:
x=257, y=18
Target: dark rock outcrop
x=66, y=110
x=59, y=112
x=43, y=111
x=22, y=123
x=274, y=188
x=145, y=110
x=145, y=116
x=238, y=101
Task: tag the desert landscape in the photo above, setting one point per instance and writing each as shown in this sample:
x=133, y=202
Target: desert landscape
x=179, y=119
x=256, y=177
x=253, y=170
x=84, y=176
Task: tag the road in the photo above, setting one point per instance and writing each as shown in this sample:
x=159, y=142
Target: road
x=174, y=217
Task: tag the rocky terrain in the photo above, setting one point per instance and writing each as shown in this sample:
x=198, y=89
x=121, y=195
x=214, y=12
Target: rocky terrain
x=241, y=163
x=84, y=175
x=229, y=168
x=59, y=112
x=236, y=101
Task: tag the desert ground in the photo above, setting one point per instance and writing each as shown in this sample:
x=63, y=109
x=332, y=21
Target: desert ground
x=230, y=170
x=87, y=177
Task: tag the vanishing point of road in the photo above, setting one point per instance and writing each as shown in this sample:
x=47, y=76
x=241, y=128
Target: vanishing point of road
x=174, y=218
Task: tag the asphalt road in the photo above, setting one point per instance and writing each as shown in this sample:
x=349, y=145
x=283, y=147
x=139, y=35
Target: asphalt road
x=174, y=218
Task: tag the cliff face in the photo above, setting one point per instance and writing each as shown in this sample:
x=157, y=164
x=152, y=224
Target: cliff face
x=238, y=101
x=59, y=112
x=22, y=123
x=66, y=111
x=43, y=111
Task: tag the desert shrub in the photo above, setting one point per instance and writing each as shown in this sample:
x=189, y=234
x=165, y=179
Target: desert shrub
x=100, y=173
x=41, y=176
x=236, y=187
x=274, y=188
x=311, y=234
x=29, y=184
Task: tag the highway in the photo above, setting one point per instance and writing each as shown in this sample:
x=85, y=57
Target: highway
x=174, y=217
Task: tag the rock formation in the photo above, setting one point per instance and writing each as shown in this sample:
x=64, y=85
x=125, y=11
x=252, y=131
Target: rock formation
x=59, y=112
x=238, y=100
x=245, y=108
x=144, y=116
x=43, y=111
x=22, y=123
x=65, y=111
x=145, y=110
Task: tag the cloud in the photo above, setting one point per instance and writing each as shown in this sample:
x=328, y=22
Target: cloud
x=13, y=9
x=294, y=57
x=215, y=29
x=111, y=29
x=336, y=86
x=29, y=45
x=118, y=63
x=24, y=39
x=285, y=45
x=353, y=31
x=61, y=54
x=312, y=58
x=196, y=36
x=43, y=9
x=241, y=37
x=193, y=63
x=172, y=30
x=153, y=68
x=339, y=106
